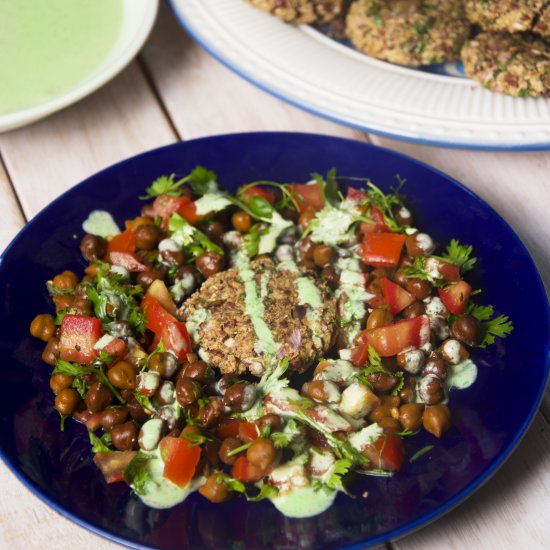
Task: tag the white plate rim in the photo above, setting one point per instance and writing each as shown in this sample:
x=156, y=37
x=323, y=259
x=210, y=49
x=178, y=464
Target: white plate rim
x=143, y=17
x=242, y=54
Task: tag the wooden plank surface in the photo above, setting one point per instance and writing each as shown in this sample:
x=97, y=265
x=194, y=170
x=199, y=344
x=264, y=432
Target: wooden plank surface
x=203, y=97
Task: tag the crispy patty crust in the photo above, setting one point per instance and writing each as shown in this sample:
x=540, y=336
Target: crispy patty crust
x=504, y=15
x=509, y=63
x=408, y=32
x=219, y=322
x=302, y=11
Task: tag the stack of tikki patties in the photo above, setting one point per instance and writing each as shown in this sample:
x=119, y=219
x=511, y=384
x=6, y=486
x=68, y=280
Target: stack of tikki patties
x=511, y=54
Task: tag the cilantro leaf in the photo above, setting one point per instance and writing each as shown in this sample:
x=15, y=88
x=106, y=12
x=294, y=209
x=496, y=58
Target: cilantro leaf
x=61, y=315
x=386, y=203
x=492, y=327
x=339, y=470
x=252, y=239
x=164, y=185
x=137, y=474
x=499, y=327
x=54, y=291
x=266, y=491
x=459, y=255
x=329, y=187
x=233, y=484
x=187, y=235
x=202, y=180
x=100, y=444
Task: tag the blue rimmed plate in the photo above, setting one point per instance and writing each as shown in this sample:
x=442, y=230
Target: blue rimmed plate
x=57, y=465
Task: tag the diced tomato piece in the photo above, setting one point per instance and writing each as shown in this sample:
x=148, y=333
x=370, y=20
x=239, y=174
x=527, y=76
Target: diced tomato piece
x=396, y=297
x=382, y=249
x=127, y=260
x=180, y=459
x=165, y=205
x=401, y=336
x=176, y=339
x=228, y=428
x=246, y=472
x=309, y=195
x=92, y=420
x=450, y=272
x=355, y=195
x=360, y=354
x=189, y=212
x=112, y=464
x=387, y=453
x=160, y=292
x=77, y=337
x=116, y=348
x=123, y=242
x=377, y=301
x=136, y=222
x=248, y=431
x=455, y=296
x=257, y=191
x=156, y=317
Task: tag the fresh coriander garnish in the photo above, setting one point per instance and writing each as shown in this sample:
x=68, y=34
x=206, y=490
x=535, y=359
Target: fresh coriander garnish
x=459, y=255
x=492, y=327
x=199, y=179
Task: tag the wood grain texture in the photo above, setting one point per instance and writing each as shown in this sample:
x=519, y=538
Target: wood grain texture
x=26, y=523
x=120, y=120
x=203, y=97
x=12, y=219
x=510, y=512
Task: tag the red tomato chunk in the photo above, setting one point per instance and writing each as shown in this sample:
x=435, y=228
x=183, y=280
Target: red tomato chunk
x=77, y=338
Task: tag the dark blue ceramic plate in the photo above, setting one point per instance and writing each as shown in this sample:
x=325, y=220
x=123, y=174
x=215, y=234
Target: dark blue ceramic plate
x=57, y=465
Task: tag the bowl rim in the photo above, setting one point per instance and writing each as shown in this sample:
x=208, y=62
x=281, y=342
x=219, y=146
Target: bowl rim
x=410, y=526
x=135, y=37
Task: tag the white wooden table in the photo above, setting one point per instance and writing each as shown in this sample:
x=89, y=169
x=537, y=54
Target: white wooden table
x=176, y=91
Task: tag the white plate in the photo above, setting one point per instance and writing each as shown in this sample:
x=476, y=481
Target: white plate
x=304, y=67
x=137, y=21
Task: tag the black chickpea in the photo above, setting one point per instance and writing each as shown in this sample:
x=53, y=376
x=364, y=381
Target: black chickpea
x=414, y=310
x=241, y=221
x=435, y=366
x=211, y=411
x=59, y=382
x=51, y=351
x=390, y=424
x=148, y=235
x=98, y=397
x=65, y=281
x=146, y=278
x=187, y=391
x=330, y=276
x=466, y=329
x=382, y=382
x=419, y=288
x=305, y=249
x=124, y=436
x=172, y=258
x=93, y=247
x=261, y=453
x=323, y=255
x=43, y=327
x=122, y=376
x=240, y=397
x=228, y=445
x=209, y=264
x=66, y=401
x=199, y=371
x=137, y=412
x=437, y=419
x=410, y=416
x=112, y=416
x=305, y=217
x=430, y=390
x=400, y=278
x=214, y=230
x=215, y=489
x=164, y=363
x=272, y=420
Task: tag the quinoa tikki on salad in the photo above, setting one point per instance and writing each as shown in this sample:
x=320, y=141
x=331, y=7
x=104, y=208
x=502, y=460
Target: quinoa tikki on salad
x=267, y=344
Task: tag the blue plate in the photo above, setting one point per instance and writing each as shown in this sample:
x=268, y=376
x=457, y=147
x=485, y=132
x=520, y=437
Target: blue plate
x=57, y=465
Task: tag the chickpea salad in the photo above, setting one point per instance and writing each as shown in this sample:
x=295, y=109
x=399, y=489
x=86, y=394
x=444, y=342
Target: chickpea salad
x=267, y=344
